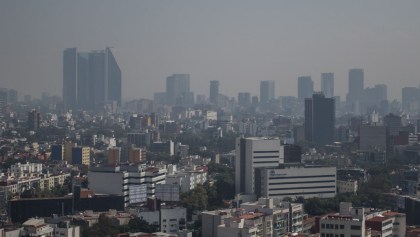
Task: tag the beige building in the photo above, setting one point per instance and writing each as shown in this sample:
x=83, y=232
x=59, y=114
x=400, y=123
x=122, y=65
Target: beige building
x=347, y=186
x=68, y=146
x=136, y=155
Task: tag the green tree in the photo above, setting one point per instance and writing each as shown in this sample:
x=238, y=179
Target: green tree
x=104, y=228
x=195, y=200
x=138, y=225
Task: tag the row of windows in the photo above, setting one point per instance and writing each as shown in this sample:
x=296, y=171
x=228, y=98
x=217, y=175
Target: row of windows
x=304, y=182
x=257, y=157
x=332, y=235
x=336, y=235
x=332, y=226
x=304, y=177
x=266, y=151
x=387, y=223
x=264, y=162
x=301, y=193
x=310, y=187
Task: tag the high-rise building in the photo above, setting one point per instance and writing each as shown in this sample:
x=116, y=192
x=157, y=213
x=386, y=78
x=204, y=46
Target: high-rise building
x=393, y=124
x=3, y=102
x=57, y=152
x=327, y=84
x=214, y=92
x=13, y=96
x=244, y=99
x=114, y=76
x=319, y=119
x=372, y=137
x=356, y=85
x=410, y=99
x=267, y=92
x=81, y=155
x=70, y=78
x=90, y=80
x=114, y=156
x=178, y=90
x=34, y=120
x=251, y=153
x=305, y=87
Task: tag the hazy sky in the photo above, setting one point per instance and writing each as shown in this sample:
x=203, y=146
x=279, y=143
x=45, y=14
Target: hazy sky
x=237, y=42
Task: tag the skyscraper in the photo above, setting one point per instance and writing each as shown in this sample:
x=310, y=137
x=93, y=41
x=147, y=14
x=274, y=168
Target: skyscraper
x=266, y=92
x=214, y=92
x=34, y=120
x=113, y=74
x=410, y=99
x=305, y=87
x=3, y=103
x=327, y=84
x=70, y=78
x=356, y=85
x=178, y=90
x=13, y=96
x=244, y=99
x=319, y=119
x=90, y=80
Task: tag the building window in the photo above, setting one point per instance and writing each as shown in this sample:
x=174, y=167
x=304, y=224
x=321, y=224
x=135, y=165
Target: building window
x=355, y=227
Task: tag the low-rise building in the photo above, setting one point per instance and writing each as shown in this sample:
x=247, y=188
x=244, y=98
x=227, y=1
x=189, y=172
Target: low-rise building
x=349, y=222
x=265, y=217
x=398, y=223
x=292, y=181
x=347, y=186
x=37, y=228
x=173, y=219
x=187, y=179
x=381, y=224
x=135, y=182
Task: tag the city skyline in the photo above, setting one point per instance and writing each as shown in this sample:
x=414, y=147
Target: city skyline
x=237, y=43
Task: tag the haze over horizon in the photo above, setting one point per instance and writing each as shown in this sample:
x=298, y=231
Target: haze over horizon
x=236, y=42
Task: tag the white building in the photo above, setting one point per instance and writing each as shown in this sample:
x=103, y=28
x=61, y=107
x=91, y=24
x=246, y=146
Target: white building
x=380, y=225
x=173, y=219
x=252, y=153
x=399, y=223
x=211, y=220
x=26, y=170
x=37, y=227
x=282, y=220
x=170, y=219
x=265, y=217
x=294, y=181
x=187, y=179
x=139, y=181
x=349, y=222
x=247, y=224
x=211, y=115
x=64, y=229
